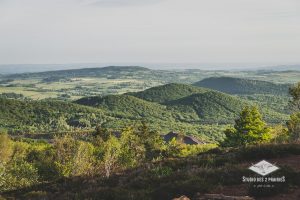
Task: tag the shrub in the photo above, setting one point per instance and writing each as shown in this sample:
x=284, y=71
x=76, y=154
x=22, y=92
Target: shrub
x=72, y=157
x=161, y=171
x=18, y=174
x=6, y=148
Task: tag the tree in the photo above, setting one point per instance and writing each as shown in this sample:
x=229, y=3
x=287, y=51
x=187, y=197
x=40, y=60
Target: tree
x=249, y=128
x=279, y=134
x=132, y=148
x=294, y=127
x=295, y=93
x=173, y=148
x=111, y=155
x=151, y=141
x=102, y=133
x=60, y=124
x=294, y=123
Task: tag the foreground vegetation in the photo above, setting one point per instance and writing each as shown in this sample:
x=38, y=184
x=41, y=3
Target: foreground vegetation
x=206, y=173
x=27, y=162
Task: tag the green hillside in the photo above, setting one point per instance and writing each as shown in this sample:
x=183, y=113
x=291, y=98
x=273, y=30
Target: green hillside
x=184, y=108
x=211, y=106
x=126, y=106
x=216, y=107
x=177, y=102
x=243, y=86
x=169, y=92
x=33, y=116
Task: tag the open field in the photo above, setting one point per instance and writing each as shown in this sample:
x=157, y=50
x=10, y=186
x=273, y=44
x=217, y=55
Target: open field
x=70, y=87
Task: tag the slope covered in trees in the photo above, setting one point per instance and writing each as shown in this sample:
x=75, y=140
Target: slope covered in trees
x=183, y=108
x=169, y=92
x=211, y=106
x=127, y=106
x=243, y=86
x=179, y=102
x=33, y=116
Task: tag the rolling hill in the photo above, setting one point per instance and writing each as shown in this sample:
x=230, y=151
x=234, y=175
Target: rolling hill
x=243, y=86
x=125, y=106
x=211, y=106
x=84, y=72
x=180, y=107
x=37, y=116
x=169, y=92
x=177, y=102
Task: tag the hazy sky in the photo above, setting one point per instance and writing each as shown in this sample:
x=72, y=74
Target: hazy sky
x=173, y=31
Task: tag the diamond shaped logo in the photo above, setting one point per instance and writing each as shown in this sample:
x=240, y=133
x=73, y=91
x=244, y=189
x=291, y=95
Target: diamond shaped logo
x=263, y=168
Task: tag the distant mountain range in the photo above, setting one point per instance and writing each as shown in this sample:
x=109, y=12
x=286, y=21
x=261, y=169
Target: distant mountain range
x=83, y=72
x=35, y=68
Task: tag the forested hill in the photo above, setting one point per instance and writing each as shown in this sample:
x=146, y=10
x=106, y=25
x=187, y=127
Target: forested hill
x=127, y=107
x=177, y=102
x=39, y=116
x=169, y=92
x=174, y=107
x=211, y=106
x=84, y=72
x=243, y=86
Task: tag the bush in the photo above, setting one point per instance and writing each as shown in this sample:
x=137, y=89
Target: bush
x=6, y=148
x=161, y=171
x=18, y=174
x=72, y=157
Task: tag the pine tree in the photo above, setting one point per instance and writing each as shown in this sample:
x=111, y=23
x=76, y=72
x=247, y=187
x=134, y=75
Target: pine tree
x=295, y=102
x=294, y=123
x=249, y=128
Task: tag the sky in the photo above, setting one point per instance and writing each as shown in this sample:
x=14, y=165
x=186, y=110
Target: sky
x=150, y=31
